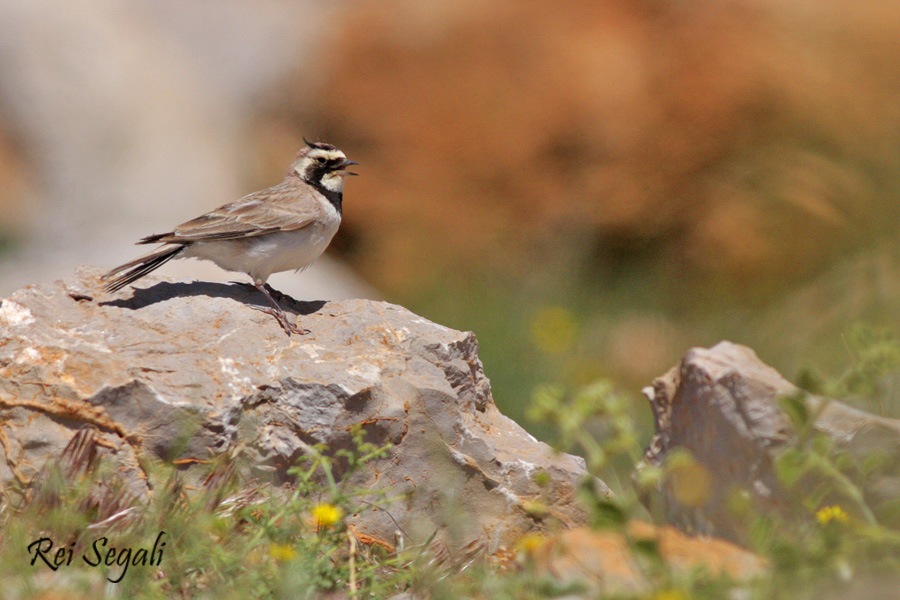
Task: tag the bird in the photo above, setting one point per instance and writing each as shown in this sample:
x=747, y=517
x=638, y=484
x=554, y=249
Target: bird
x=281, y=228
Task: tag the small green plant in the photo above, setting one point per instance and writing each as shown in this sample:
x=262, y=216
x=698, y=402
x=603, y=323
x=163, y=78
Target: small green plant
x=597, y=422
x=870, y=375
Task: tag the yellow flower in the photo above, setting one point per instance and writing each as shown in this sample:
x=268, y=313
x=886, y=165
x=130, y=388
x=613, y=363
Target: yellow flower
x=553, y=329
x=282, y=552
x=669, y=594
x=691, y=482
x=536, y=509
x=530, y=542
x=834, y=512
x=326, y=515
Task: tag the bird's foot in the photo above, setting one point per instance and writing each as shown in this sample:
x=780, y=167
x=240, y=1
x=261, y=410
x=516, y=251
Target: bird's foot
x=282, y=319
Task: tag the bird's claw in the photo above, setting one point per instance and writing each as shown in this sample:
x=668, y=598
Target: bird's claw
x=288, y=327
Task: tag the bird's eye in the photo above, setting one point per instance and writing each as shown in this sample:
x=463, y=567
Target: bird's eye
x=320, y=159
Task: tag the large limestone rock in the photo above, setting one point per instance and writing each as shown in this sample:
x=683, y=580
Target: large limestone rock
x=181, y=371
x=725, y=407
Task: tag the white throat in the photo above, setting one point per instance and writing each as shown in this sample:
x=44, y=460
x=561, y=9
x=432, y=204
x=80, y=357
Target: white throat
x=334, y=182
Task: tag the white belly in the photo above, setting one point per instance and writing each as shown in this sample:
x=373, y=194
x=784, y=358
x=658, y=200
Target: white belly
x=262, y=255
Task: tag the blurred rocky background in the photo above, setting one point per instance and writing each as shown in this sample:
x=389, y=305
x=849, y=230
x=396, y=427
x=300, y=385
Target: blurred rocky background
x=123, y=117
x=591, y=187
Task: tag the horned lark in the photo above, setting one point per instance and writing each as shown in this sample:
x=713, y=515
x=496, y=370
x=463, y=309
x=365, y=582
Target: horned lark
x=277, y=229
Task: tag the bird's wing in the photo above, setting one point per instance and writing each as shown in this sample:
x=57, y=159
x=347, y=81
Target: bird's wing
x=279, y=208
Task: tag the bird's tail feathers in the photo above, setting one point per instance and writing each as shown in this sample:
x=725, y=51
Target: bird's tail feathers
x=140, y=267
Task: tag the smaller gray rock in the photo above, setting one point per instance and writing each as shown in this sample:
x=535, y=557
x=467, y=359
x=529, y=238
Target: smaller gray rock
x=723, y=405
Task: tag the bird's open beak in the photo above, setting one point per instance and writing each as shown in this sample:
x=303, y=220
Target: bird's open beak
x=346, y=163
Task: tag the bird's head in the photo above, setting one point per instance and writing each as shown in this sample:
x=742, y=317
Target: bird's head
x=321, y=164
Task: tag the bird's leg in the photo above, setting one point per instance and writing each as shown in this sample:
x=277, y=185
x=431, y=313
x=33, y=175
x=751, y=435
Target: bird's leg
x=277, y=311
x=277, y=295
